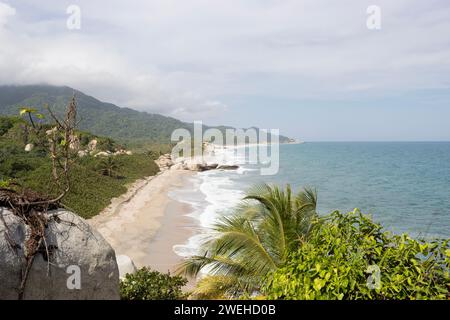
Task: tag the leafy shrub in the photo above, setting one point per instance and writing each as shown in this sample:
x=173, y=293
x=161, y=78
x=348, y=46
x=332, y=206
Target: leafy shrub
x=15, y=162
x=7, y=123
x=110, y=167
x=334, y=263
x=13, y=167
x=5, y=183
x=153, y=154
x=146, y=284
x=91, y=191
x=106, y=144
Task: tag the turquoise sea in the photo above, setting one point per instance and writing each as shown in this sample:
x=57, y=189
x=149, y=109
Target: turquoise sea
x=404, y=185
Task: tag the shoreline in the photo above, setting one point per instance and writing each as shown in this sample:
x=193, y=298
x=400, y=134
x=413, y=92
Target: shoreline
x=149, y=225
x=145, y=222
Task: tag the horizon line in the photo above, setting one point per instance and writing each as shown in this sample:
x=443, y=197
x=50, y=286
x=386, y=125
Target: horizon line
x=366, y=141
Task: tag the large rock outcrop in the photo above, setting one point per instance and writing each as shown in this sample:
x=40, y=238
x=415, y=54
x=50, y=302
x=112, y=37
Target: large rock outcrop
x=209, y=160
x=165, y=162
x=72, y=246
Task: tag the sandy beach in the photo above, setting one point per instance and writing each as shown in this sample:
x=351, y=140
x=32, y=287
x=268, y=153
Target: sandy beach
x=145, y=223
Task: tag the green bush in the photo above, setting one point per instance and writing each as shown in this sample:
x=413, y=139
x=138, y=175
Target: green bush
x=335, y=263
x=106, y=144
x=146, y=284
x=6, y=123
x=15, y=162
x=91, y=191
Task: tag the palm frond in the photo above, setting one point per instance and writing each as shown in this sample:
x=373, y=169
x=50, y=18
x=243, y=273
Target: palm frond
x=255, y=240
x=218, y=287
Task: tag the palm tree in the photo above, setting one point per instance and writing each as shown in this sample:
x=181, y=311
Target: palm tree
x=109, y=166
x=246, y=246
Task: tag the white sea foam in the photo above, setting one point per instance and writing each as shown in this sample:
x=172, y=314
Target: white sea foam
x=243, y=170
x=220, y=196
x=216, y=193
x=190, y=248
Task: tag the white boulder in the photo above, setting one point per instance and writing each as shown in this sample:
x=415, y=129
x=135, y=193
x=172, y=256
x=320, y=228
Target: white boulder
x=75, y=143
x=126, y=265
x=92, y=145
x=29, y=147
x=164, y=162
x=82, y=153
x=102, y=154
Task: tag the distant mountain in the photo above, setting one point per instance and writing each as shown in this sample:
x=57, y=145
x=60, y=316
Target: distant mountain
x=100, y=118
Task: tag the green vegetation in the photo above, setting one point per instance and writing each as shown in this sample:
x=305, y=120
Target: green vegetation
x=253, y=242
x=146, y=284
x=274, y=246
x=104, y=119
x=345, y=252
x=100, y=118
x=277, y=247
x=7, y=123
x=110, y=167
x=90, y=190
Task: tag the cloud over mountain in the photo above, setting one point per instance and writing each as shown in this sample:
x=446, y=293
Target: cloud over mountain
x=190, y=58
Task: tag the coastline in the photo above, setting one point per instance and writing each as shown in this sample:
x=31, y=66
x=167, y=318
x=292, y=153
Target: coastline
x=159, y=221
x=145, y=222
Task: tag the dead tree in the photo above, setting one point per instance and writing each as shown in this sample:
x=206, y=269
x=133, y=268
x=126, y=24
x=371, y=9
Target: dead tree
x=31, y=207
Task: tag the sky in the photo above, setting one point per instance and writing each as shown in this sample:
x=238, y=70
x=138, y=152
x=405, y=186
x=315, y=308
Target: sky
x=311, y=68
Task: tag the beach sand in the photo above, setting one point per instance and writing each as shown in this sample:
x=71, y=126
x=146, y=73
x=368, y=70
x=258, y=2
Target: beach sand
x=145, y=223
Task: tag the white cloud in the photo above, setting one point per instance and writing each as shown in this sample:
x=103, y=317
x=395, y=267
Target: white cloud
x=78, y=60
x=183, y=57
x=5, y=12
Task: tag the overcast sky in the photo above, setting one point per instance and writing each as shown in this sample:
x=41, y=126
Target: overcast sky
x=310, y=68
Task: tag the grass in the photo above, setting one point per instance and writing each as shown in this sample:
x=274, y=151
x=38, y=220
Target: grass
x=91, y=191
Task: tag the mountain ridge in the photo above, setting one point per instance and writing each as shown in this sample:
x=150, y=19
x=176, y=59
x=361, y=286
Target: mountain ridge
x=98, y=117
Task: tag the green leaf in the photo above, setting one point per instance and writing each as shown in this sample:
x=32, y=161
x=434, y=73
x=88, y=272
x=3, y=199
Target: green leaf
x=447, y=252
x=25, y=110
x=4, y=183
x=318, y=284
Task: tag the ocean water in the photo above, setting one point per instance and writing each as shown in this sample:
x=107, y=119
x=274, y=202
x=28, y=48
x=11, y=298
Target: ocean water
x=403, y=185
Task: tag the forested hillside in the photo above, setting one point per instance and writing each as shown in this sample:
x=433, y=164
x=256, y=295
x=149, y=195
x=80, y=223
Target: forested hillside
x=100, y=118
x=25, y=163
